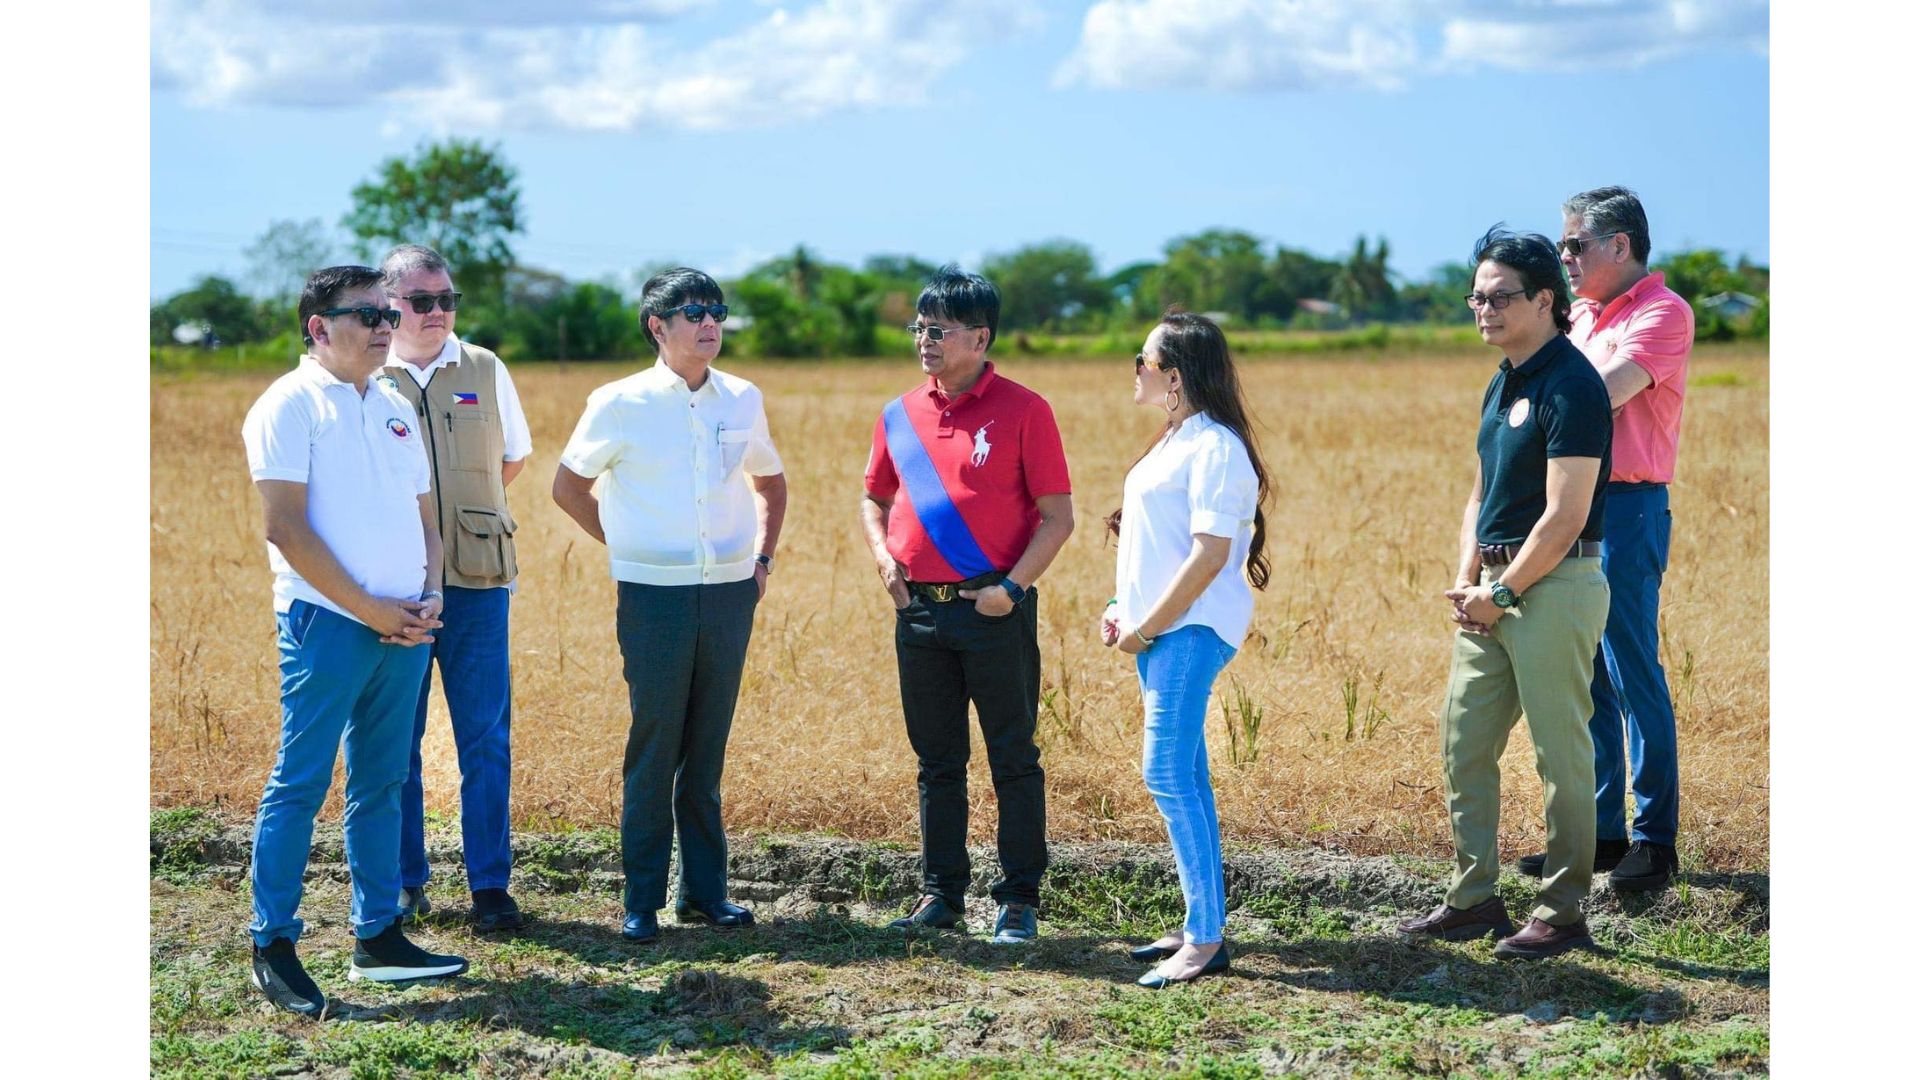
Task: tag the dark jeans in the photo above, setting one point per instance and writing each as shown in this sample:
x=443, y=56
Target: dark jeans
x=950, y=654
x=683, y=647
x=1632, y=708
x=472, y=653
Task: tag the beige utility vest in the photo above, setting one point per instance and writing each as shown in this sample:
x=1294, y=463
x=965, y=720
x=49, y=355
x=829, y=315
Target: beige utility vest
x=466, y=442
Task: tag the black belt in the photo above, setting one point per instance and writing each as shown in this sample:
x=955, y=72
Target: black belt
x=948, y=593
x=1502, y=554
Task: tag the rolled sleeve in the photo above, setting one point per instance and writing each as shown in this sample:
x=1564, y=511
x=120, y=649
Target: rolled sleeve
x=513, y=419
x=278, y=433
x=1221, y=487
x=596, y=441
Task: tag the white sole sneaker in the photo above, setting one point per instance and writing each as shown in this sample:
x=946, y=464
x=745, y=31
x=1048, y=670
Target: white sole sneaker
x=404, y=974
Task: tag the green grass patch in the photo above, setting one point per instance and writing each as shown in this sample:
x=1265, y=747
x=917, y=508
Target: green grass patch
x=177, y=842
x=1719, y=378
x=1119, y=901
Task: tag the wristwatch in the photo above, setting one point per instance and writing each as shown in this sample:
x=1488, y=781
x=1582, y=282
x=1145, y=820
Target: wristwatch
x=1015, y=591
x=1504, y=597
x=765, y=561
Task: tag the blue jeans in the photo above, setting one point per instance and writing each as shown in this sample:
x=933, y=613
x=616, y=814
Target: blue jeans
x=472, y=652
x=1176, y=679
x=1629, y=685
x=336, y=680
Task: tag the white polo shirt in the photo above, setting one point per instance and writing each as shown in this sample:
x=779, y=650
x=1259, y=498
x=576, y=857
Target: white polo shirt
x=365, y=468
x=513, y=420
x=675, y=503
x=1198, y=480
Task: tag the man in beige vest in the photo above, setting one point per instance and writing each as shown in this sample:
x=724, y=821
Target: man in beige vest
x=476, y=436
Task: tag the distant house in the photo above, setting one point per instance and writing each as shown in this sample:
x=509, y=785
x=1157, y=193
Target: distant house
x=1321, y=307
x=1731, y=305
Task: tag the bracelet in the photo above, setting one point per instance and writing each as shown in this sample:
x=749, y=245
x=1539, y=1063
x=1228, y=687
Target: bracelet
x=434, y=593
x=1145, y=641
x=1113, y=601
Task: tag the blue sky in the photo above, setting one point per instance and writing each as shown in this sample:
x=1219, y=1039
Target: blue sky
x=723, y=133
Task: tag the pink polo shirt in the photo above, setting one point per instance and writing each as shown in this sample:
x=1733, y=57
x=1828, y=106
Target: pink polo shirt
x=1652, y=326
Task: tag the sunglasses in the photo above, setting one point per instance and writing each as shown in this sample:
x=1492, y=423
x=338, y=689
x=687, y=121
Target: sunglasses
x=939, y=333
x=423, y=302
x=370, y=317
x=695, y=312
x=1574, y=245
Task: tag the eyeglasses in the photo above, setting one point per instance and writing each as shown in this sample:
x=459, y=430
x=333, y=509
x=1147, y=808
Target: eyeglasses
x=370, y=317
x=695, y=312
x=423, y=302
x=1495, y=300
x=1574, y=245
x=939, y=333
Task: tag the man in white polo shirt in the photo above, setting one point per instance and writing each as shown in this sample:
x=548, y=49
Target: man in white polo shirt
x=691, y=560
x=355, y=554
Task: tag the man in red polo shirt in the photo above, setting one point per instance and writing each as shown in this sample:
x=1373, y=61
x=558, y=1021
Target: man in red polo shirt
x=967, y=503
x=1639, y=334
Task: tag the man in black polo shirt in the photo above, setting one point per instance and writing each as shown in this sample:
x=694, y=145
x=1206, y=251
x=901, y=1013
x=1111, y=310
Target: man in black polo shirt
x=1530, y=602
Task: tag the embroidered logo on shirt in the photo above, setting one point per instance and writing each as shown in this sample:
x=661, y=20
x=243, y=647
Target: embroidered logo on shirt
x=981, y=447
x=399, y=428
x=1521, y=410
x=465, y=399
x=387, y=381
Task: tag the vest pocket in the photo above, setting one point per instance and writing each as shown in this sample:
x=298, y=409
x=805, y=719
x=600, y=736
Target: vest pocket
x=482, y=543
x=467, y=437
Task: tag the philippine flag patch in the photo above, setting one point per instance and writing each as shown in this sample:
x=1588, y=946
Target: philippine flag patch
x=466, y=399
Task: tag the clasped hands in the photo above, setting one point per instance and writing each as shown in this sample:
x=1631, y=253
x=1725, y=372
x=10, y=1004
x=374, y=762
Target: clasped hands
x=1473, y=608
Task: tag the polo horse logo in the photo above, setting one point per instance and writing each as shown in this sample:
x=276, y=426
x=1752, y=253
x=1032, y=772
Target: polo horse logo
x=981, y=447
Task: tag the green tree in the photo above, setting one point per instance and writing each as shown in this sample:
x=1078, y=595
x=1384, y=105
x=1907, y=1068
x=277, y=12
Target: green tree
x=579, y=321
x=1047, y=286
x=285, y=255
x=214, y=304
x=800, y=306
x=1293, y=276
x=458, y=197
x=1362, y=285
x=1217, y=270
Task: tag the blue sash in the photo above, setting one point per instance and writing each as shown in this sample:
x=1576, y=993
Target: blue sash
x=939, y=518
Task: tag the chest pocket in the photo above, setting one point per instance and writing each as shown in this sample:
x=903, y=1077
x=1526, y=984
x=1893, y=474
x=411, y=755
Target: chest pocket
x=469, y=434
x=733, y=451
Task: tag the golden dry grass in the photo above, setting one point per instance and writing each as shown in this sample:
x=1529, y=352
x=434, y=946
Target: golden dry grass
x=1372, y=458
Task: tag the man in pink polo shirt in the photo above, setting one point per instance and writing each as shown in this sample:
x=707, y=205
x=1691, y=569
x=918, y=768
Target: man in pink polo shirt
x=1639, y=334
x=967, y=502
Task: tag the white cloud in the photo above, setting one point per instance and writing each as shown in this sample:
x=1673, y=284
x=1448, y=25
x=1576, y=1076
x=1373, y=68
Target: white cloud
x=1304, y=44
x=573, y=64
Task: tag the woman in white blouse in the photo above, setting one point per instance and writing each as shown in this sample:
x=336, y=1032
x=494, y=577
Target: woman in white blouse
x=1190, y=522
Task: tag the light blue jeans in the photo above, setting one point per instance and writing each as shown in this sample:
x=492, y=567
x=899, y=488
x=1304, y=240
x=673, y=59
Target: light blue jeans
x=338, y=684
x=1176, y=679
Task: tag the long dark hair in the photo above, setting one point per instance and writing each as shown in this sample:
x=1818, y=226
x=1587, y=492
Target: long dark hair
x=1194, y=346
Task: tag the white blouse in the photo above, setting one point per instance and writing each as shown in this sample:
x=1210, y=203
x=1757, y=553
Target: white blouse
x=1198, y=480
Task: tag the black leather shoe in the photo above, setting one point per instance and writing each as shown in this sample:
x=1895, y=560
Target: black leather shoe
x=641, y=926
x=1647, y=867
x=1150, y=954
x=1217, y=963
x=1606, y=855
x=494, y=910
x=1543, y=939
x=721, y=914
x=930, y=913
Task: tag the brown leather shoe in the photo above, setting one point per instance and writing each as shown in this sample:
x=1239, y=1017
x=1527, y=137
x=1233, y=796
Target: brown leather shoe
x=1463, y=924
x=1542, y=939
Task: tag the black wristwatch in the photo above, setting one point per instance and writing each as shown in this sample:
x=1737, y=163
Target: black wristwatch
x=1503, y=597
x=1015, y=591
x=765, y=561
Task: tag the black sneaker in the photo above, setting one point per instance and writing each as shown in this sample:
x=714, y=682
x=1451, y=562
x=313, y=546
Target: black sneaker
x=390, y=957
x=930, y=913
x=1648, y=866
x=278, y=974
x=494, y=910
x=1606, y=855
x=413, y=902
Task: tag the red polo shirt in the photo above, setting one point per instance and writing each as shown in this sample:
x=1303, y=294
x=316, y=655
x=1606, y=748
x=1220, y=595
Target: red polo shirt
x=996, y=449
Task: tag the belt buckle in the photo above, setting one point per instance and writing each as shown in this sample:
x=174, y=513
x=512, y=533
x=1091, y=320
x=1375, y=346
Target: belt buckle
x=942, y=594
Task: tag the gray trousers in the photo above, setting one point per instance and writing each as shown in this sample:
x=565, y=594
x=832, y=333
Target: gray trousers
x=682, y=647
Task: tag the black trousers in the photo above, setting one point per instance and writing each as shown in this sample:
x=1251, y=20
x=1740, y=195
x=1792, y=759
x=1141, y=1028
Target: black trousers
x=682, y=647
x=949, y=654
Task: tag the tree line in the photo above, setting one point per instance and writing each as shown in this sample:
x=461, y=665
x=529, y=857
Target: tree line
x=462, y=198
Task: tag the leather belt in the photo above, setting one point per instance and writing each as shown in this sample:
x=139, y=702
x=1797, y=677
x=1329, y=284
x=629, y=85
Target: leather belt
x=1503, y=554
x=948, y=593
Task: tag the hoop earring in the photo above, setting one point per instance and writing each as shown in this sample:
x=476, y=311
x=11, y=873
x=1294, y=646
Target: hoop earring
x=1173, y=401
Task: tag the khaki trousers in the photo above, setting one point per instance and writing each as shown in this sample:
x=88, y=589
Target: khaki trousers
x=1538, y=661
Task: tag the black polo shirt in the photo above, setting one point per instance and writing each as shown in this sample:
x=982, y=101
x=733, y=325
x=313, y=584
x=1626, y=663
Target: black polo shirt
x=1554, y=404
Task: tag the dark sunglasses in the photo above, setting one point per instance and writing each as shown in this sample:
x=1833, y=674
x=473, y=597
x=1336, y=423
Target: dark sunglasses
x=939, y=333
x=1574, y=245
x=370, y=317
x=423, y=302
x=695, y=312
